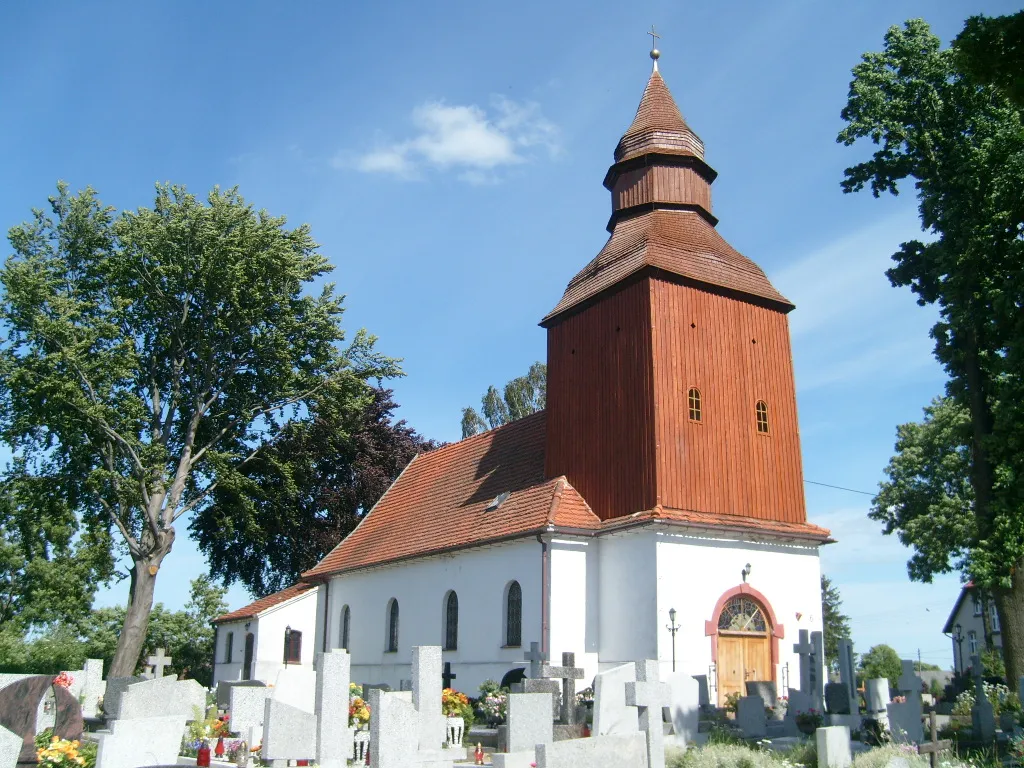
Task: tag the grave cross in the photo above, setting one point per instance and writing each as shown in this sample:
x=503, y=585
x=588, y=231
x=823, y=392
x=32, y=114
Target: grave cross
x=649, y=695
x=159, y=662
x=805, y=651
x=909, y=683
x=569, y=674
x=933, y=747
x=536, y=657
x=447, y=676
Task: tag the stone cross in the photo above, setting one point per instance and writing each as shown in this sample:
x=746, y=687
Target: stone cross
x=447, y=676
x=536, y=657
x=569, y=674
x=649, y=695
x=909, y=683
x=159, y=662
x=805, y=651
x=933, y=747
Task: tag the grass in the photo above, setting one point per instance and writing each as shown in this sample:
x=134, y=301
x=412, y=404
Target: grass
x=729, y=754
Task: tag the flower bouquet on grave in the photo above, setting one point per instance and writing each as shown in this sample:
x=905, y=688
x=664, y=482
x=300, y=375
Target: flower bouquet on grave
x=453, y=703
x=61, y=753
x=358, y=709
x=809, y=720
x=64, y=680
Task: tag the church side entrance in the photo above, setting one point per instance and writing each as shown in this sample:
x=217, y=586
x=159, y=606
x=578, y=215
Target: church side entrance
x=744, y=647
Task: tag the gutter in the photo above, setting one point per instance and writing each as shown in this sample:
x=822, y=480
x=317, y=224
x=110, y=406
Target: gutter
x=213, y=661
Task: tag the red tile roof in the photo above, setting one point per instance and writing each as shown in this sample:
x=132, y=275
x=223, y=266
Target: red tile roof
x=440, y=501
x=680, y=242
x=252, y=610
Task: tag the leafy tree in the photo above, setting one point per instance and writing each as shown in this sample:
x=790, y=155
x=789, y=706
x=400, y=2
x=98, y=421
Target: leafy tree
x=882, y=661
x=963, y=146
x=186, y=635
x=991, y=52
x=836, y=623
x=521, y=397
x=151, y=353
x=281, y=513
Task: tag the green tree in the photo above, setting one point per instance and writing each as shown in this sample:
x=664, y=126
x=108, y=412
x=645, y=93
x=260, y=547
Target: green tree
x=836, y=624
x=281, y=513
x=882, y=661
x=150, y=353
x=991, y=52
x=962, y=144
x=521, y=396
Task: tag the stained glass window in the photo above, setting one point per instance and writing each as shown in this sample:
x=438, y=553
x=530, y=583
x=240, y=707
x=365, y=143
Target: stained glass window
x=514, y=615
x=741, y=614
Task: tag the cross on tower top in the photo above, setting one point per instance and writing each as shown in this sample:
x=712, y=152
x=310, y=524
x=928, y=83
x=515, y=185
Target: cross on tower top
x=158, y=661
x=655, y=53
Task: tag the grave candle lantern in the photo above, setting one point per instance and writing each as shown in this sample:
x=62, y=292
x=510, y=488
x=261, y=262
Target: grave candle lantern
x=203, y=755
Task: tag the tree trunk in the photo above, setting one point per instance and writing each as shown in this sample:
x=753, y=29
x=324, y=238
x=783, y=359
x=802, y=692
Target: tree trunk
x=132, y=639
x=1010, y=604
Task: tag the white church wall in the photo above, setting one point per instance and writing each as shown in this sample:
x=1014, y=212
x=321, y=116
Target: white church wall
x=478, y=576
x=299, y=614
x=575, y=609
x=627, y=581
x=225, y=667
x=694, y=572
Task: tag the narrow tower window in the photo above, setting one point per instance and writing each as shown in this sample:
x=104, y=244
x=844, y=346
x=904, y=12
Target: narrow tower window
x=451, y=622
x=514, y=615
x=344, y=627
x=762, y=417
x=392, y=645
x=694, y=400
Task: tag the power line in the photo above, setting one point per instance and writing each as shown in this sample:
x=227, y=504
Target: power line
x=840, y=488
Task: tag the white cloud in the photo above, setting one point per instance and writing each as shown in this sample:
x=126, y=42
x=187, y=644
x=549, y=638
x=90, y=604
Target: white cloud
x=467, y=138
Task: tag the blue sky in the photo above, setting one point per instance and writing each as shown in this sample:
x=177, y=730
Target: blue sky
x=449, y=158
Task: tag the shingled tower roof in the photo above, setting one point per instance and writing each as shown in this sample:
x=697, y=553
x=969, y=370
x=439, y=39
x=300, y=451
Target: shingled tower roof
x=661, y=214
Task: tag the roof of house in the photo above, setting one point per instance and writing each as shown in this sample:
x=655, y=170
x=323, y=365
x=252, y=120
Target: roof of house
x=680, y=242
x=441, y=501
x=254, y=609
x=967, y=588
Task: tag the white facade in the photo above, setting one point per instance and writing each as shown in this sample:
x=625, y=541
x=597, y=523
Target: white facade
x=268, y=631
x=606, y=598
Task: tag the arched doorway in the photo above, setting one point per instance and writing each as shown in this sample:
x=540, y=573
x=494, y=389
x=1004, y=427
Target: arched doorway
x=744, y=640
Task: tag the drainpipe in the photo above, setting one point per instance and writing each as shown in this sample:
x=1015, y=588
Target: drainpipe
x=213, y=661
x=327, y=613
x=545, y=578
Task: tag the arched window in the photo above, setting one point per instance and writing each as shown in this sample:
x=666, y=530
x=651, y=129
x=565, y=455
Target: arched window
x=514, y=615
x=451, y=621
x=343, y=628
x=693, y=397
x=741, y=614
x=762, y=417
x=392, y=645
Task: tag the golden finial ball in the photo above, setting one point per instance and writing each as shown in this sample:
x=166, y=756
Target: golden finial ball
x=655, y=54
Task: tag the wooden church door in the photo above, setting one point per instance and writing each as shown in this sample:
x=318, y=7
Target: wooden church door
x=744, y=647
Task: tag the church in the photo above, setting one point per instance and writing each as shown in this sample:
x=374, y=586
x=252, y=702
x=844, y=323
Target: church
x=654, y=509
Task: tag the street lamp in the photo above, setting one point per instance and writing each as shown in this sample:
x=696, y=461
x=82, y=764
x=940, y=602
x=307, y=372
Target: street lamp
x=287, y=643
x=672, y=627
x=959, y=637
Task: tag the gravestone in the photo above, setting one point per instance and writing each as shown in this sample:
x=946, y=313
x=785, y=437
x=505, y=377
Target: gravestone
x=159, y=662
x=818, y=671
x=837, y=699
x=296, y=687
x=876, y=694
x=130, y=743
x=703, y=695
x=905, y=717
x=804, y=649
x=530, y=721
x=798, y=702
x=10, y=748
x=426, y=695
x=616, y=751
x=224, y=688
x=649, y=695
x=684, y=706
x=162, y=697
x=289, y=719
x=611, y=715
x=116, y=686
x=765, y=689
x=848, y=672
x=569, y=674
x=247, y=705
x=535, y=682
x=19, y=708
x=983, y=719
x=333, y=734
x=750, y=717
x=833, y=745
